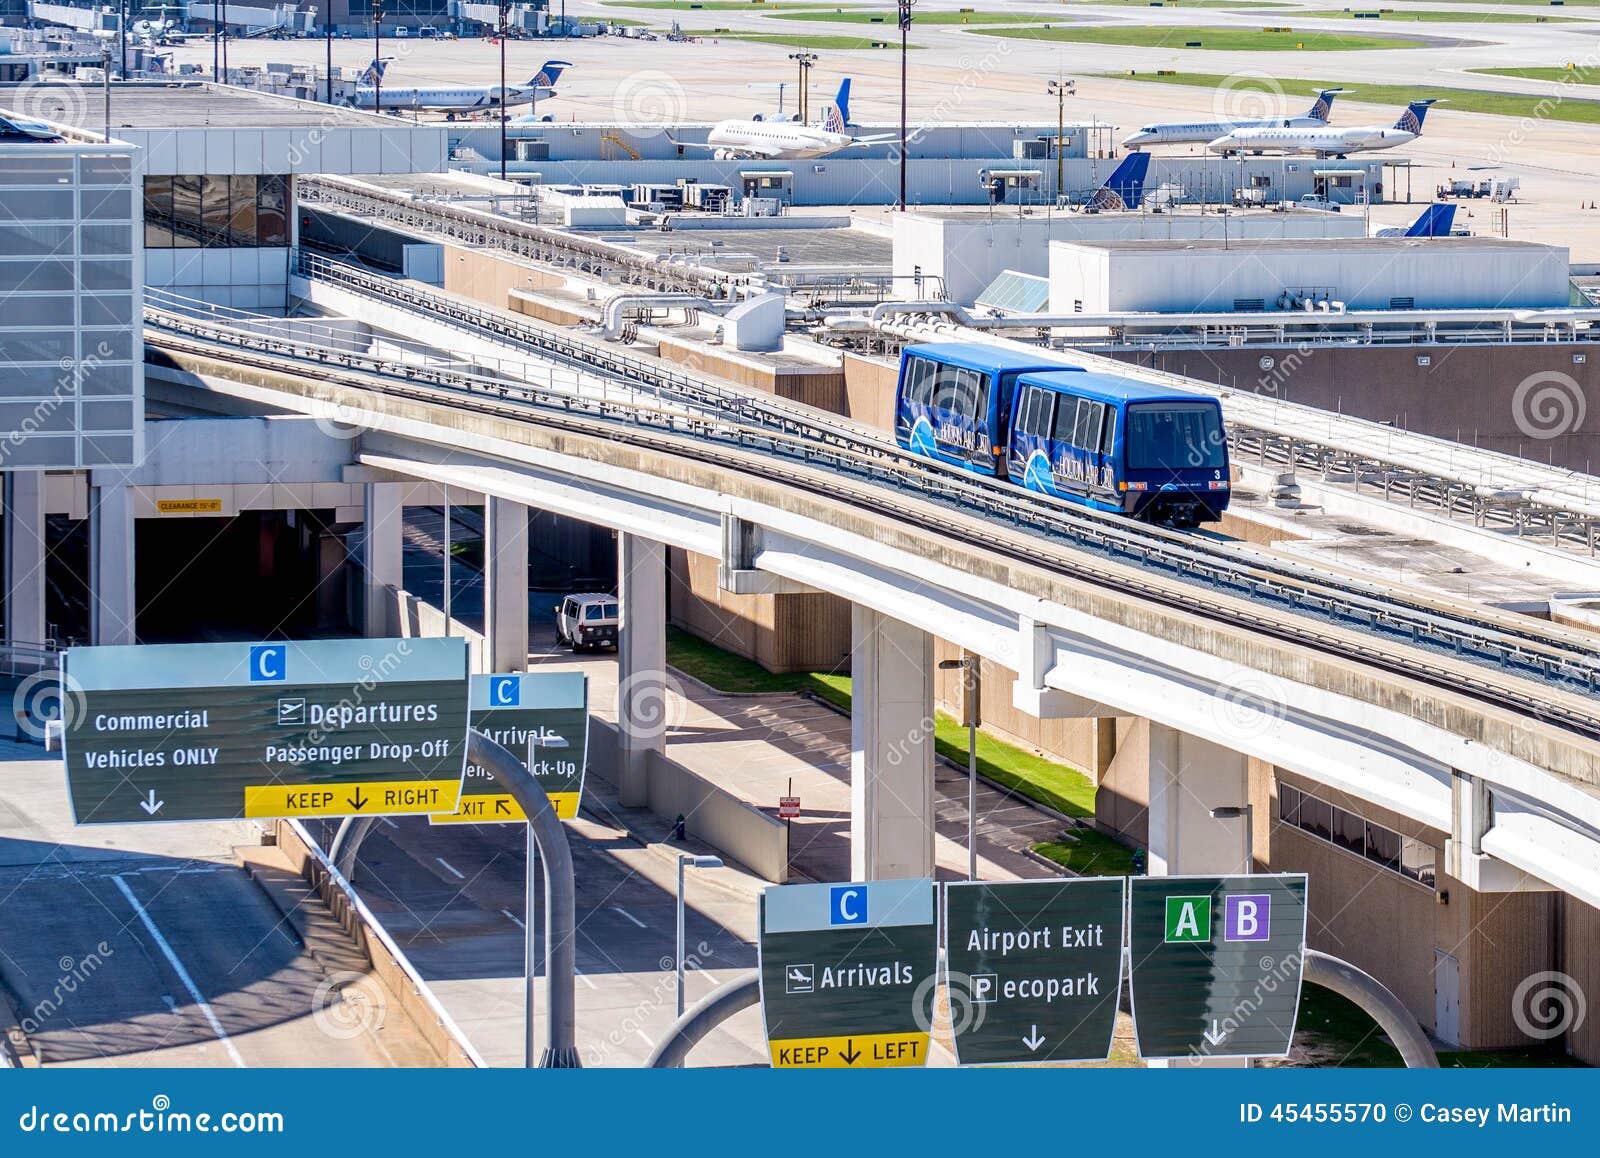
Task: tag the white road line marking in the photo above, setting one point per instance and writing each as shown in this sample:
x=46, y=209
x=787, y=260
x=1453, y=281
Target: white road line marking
x=389, y=822
x=584, y=977
x=636, y=921
x=450, y=868
x=183, y=974
x=510, y=916
x=647, y=1041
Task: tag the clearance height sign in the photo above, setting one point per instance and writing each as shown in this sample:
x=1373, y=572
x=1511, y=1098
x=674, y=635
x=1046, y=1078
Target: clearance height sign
x=222, y=731
x=539, y=717
x=843, y=970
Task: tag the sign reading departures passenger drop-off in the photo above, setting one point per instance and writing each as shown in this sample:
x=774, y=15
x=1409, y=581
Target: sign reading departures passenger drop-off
x=842, y=969
x=1215, y=964
x=220, y=731
x=539, y=717
x=1041, y=964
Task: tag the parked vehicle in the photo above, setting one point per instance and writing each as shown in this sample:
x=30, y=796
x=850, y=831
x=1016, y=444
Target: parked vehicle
x=587, y=620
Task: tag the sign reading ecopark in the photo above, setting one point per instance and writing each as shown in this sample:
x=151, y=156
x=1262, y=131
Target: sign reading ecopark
x=539, y=717
x=1041, y=966
x=220, y=731
x=1215, y=964
x=843, y=969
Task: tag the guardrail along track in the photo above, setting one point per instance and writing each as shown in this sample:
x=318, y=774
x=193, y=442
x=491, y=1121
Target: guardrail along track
x=1513, y=665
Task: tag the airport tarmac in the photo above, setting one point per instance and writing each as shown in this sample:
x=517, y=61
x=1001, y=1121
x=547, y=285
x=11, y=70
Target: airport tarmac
x=961, y=76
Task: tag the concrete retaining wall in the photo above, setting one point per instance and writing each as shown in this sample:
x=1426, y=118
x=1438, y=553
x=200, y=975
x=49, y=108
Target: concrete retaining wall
x=755, y=839
x=389, y=964
x=411, y=618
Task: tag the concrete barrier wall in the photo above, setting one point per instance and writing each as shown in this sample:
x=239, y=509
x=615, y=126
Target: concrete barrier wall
x=411, y=618
x=755, y=839
x=397, y=975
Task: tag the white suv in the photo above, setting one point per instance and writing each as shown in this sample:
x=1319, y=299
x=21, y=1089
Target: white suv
x=588, y=620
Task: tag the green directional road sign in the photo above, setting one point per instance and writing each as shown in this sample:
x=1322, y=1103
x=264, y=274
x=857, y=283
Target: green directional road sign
x=222, y=731
x=1215, y=964
x=844, y=970
x=539, y=717
x=1040, y=963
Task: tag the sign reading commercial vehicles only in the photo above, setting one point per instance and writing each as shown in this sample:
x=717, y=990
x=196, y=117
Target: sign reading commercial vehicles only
x=1215, y=964
x=542, y=717
x=843, y=969
x=220, y=731
x=1041, y=963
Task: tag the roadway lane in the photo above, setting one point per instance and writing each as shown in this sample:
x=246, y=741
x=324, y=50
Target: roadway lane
x=125, y=945
x=452, y=896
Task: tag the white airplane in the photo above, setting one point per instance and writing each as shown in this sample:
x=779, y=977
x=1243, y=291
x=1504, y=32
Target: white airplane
x=1328, y=141
x=787, y=140
x=453, y=102
x=1202, y=132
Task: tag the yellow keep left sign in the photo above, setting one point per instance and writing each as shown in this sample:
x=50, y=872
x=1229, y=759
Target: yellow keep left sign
x=861, y=1051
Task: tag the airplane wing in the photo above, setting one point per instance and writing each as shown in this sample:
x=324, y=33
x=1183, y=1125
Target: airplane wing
x=881, y=138
x=689, y=144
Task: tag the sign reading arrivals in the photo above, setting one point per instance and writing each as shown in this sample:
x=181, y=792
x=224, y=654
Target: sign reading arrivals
x=1215, y=964
x=842, y=970
x=221, y=731
x=539, y=717
x=1041, y=962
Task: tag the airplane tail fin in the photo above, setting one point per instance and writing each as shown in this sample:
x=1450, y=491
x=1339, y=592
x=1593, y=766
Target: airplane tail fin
x=1435, y=221
x=836, y=116
x=1411, y=120
x=374, y=71
x=841, y=101
x=549, y=73
x=1323, y=105
x=1124, y=189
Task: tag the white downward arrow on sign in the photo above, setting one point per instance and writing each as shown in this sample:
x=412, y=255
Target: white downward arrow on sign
x=1216, y=1033
x=151, y=805
x=1033, y=1041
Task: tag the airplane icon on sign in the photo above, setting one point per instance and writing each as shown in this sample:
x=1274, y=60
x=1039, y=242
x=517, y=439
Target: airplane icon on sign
x=799, y=978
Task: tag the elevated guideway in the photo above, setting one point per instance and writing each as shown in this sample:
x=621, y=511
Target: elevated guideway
x=1378, y=693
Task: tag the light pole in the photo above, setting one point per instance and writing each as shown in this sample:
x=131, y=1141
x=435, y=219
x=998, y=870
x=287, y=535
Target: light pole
x=804, y=60
x=530, y=938
x=905, y=7
x=688, y=860
x=1061, y=88
x=377, y=61
x=224, y=39
x=1245, y=812
x=327, y=28
x=122, y=34
x=505, y=8
x=971, y=693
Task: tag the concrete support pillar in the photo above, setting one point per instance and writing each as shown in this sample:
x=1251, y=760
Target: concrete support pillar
x=1471, y=816
x=891, y=748
x=641, y=665
x=111, y=564
x=25, y=557
x=383, y=511
x=505, y=584
x=1188, y=778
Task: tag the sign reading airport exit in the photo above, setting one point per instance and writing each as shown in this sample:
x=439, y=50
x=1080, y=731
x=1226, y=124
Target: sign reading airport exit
x=846, y=973
x=1215, y=964
x=1040, y=965
x=224, y=731
x=539, y=717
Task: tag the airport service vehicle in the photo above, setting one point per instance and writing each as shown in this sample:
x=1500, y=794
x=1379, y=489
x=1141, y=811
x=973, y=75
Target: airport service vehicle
x=1317, y=201
x=462, y=100
x=1101, y=440
x=588, y=620
x=1328, y=141
x=787, y=140
x=1202, y=132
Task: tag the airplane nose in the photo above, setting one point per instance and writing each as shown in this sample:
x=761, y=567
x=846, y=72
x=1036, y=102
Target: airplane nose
x=1135, y=139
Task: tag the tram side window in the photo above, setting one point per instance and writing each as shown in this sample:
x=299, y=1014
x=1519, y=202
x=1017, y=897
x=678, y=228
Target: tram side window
x=1040, y=404
x=1108, y=431
x=920, y=374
